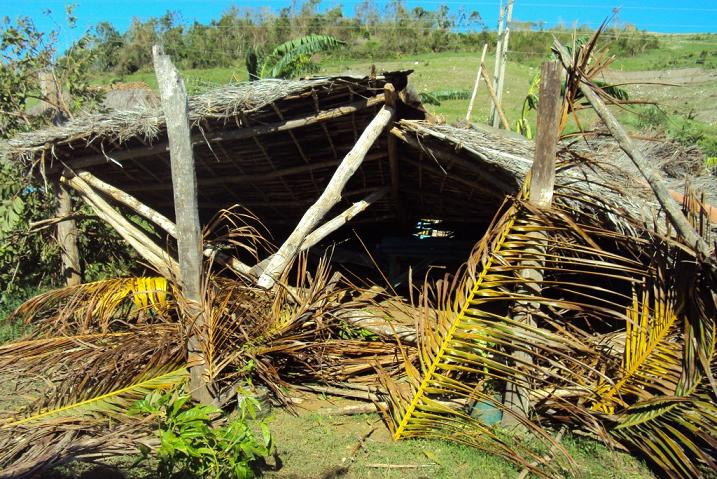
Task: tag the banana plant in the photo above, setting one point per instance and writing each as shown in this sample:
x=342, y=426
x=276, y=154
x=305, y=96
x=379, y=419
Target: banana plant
x=291, y=58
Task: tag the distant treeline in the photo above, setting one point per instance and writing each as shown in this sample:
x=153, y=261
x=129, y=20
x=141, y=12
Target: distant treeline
x=370, y=33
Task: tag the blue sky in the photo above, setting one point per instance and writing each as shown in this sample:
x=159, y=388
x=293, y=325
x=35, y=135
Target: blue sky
x=657, y=15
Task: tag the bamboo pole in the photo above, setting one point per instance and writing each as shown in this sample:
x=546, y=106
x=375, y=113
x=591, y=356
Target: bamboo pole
x=189, y=238
x=476, y=84
x=651, y=175
x=496, y=102
x=500, y=74
x=330, y=196
x=67, y=237
x=160, y=220
x=159, y=259
x=542, y=183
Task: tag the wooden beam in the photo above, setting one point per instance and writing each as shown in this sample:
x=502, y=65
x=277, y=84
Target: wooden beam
x=542, y=183
x=155, y=256
x=476, y=84
x=331, y=195
x=651, y=175
x=496, y=102
x=67, y=237
x=313, y=238
x=391, y=96
x=189, y=234
x=200, y=139
x=160, y=220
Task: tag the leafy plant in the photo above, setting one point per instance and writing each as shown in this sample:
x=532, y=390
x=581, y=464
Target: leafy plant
x=436, y=97
x=292, y=58
x=192, y=444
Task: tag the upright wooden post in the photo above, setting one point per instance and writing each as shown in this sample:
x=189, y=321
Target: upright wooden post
x=542, y=183
x=391, y=96
x=67, y=237
x=498, y=50
x=477, y=83
x=189, y=238
x=500, y=82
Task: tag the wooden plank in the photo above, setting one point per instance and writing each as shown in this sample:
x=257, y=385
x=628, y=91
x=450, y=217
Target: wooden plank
x=651, y=175
x=237, y=134
x=330, y=196
x=173, y=96
x=542, y=183
x=67, y=237
x=476, y=84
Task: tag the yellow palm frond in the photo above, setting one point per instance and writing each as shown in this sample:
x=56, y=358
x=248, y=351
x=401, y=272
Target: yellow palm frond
x=647, y=353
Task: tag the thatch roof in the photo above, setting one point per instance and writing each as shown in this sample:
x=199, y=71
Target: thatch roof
x=472, y=160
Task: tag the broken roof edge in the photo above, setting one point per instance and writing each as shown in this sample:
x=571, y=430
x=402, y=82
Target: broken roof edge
x=146, y=124
x=582, y=179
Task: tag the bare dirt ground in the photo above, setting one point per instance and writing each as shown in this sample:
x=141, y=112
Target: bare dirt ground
x=683, y=90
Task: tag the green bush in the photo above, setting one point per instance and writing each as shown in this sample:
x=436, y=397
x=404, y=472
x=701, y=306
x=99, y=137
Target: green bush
x=192, y=445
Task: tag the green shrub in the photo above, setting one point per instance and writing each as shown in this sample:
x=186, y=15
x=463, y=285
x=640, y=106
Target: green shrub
x=192, y=445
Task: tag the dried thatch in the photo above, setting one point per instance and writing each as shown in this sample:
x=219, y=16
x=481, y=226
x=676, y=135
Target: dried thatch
x=596, y=172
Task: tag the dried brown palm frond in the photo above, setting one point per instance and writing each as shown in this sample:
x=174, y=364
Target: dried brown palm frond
x=73, y=395
x=238, y=229
x=99, y=307
x=574, y=364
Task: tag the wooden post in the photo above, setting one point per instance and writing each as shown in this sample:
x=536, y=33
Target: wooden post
x=653, y=177
x=496, y=103
x=476, y=84
x=542, y=183
x=391, y=96
x=500, y=75
x=498, y=51
x=330, y=196
x=67, y=238
x=189, y=236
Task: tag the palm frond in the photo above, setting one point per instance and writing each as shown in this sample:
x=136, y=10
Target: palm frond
x=101, y=306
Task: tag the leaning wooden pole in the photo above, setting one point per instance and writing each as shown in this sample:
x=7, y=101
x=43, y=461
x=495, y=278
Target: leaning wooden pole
x=160, y=220
x=496, y=102
x=476, y=84
x=653, y=177
x=189, y=235
x=328, y=199
x=542, y=183
x=67, y=237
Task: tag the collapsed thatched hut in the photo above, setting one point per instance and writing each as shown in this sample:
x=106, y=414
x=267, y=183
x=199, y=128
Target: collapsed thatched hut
x=272, y=147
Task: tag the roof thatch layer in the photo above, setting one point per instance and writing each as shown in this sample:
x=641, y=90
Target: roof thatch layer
x=146, y=122
x=591, y=175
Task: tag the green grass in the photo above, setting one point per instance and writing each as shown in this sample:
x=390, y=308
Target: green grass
x=675, y=51
x=312, y=445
